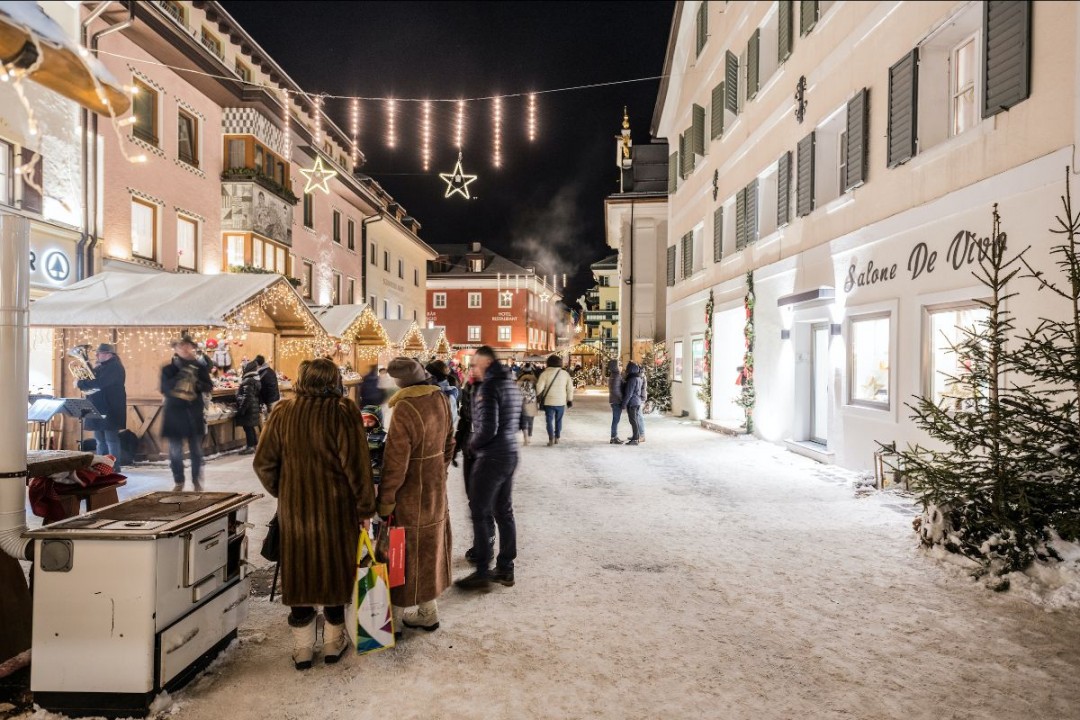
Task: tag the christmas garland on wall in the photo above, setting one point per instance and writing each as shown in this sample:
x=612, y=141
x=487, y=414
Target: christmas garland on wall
x=705, y=393
x=747, y=397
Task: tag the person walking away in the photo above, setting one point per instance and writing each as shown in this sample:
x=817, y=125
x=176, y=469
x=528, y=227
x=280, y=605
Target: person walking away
x=632, y=400
x=183, y=382
x=615, y=398
x=370, y=392
x=555, y=393
x=526, y=383
x=248, y=408
x=313, y=457
x=461, y=442
x=107, y=392
x=440, y=373
x=496, y=420
x=269, y=393
x=419, y=447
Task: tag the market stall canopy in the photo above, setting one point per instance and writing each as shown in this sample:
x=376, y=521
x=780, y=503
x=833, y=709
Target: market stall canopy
x=31, y=39
x=356, y=324
x=435, y=340
x=406, y=336
x=233, y=300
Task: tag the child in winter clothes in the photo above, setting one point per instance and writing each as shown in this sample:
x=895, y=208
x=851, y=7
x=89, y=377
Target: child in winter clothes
x=376, y=439
x=526, y=382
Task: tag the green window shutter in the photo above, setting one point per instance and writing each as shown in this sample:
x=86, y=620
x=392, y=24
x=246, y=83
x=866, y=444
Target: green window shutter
x=698, y=127
x=1006, y=55
x=808, y=16
x=753, y=64
x=671, y=266
x=688, y=157
x=716, y=128
x=740, y=219
x=688, y=254
x=731, y=80
x=783, y=190
x=718, y=234
x=752, y=224
x=804, y=191
x=702, y=26
x=784, y=30
x=673, y=173
x=682, y=156
x=858, y=139
x=903, y=108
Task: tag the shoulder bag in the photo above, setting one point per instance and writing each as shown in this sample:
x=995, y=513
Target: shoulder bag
x=540, y=397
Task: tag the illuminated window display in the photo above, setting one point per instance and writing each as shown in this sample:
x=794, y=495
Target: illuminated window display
x=947, y=368
x=869, y=362
x=676, y=361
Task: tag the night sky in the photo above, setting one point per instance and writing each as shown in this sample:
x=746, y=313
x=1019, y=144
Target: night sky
x=546, y=202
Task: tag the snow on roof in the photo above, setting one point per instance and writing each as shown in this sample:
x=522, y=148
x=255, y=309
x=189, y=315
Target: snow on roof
x=397, y=329
x=336, y=319
x=119, y=299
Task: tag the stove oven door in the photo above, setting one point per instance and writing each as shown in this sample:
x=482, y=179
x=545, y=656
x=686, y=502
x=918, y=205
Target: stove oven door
x=207, y=551
x=185, y=642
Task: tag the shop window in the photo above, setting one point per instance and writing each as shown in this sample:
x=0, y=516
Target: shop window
x=474, y=300
x=697, y=360
x=258, y=250
x=948, y=331
x=308, y=279
x=351, y=236
x=474, y=333
x=280, y=257
x=869, y=377
x=337, y=227
x=144, y=105
x=144, y=232
x=506, y=299
x=676, y=361
x=504, y=333
x=7, y=194
x=309, y=211
x=438, y=300
x=234, y=250
x=187, y=138
x=187, y=243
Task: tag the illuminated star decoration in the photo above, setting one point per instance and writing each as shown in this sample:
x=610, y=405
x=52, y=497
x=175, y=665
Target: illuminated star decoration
x=318, y=177
x=457, y=181
x=507, y=296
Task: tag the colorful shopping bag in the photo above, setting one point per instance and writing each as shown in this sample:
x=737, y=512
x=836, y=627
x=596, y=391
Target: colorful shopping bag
x=374, y=616
x=390, y=549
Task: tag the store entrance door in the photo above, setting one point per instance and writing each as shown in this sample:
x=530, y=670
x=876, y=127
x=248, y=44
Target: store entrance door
x=819, y=383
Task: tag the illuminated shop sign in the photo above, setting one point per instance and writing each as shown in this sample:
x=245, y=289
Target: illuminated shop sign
x=50, y=265
x=964, y=250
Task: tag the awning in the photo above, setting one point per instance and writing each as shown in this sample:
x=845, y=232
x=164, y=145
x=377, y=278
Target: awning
x=233, y=300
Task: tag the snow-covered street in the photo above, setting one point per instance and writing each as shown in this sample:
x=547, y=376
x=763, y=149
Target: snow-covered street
x=695, y=576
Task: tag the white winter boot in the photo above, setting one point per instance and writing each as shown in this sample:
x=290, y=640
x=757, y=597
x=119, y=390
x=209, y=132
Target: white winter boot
x=304, y=645
x=424, y=617
x=335, y=642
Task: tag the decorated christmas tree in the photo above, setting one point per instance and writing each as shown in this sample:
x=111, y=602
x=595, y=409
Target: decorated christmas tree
x=657, y=367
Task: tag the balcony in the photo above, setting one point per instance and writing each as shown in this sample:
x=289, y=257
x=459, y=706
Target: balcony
x=593, y=317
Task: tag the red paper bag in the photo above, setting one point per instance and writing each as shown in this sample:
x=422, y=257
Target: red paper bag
x=390, y=549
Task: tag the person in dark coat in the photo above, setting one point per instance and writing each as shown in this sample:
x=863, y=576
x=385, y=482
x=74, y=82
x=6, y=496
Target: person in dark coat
x=370, y=392
x=248, y=407
x=615, y=398
x=108, y=394
x=633, y=398
x=496, y=418
x=461, y=442
x=268, y=384
x=313, y=457
x=183, y=382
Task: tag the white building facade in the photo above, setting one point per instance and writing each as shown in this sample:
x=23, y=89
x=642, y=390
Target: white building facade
x=849, y=156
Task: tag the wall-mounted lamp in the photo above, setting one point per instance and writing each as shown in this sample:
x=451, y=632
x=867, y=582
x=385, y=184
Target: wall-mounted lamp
x=836, y=329
x=785, y=334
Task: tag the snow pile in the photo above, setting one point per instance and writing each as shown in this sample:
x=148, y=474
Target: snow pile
x=1053, y=584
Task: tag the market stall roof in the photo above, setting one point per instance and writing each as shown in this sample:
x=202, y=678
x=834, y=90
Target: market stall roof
x=435, y=340
x=356, y=324
x=119, y=299
x=407, y=335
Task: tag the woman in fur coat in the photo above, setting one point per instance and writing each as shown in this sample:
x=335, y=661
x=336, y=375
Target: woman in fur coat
x=313, y=457
x=419, y=447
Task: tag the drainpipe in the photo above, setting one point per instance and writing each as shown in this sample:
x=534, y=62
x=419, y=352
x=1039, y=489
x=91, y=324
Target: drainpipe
x=630, y=282
x=363, y=254
x=94, y=40
x=15, y=368
x=84, y=123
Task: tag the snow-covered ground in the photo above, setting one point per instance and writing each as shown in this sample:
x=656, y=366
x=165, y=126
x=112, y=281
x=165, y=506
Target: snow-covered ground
x=694, y=576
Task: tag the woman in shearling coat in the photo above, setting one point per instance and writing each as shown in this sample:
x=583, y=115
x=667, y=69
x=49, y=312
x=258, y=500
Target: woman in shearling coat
x=313, y=457
x=419, y=447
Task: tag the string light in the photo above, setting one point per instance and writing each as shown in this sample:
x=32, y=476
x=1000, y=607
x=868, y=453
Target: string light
x=497, y=138
x=532, y=117
x=413, y=344
x=459, y=130
x=318, y=122
x=286, y=112
x=425, y=147
x=355, y=127
x=391, y=135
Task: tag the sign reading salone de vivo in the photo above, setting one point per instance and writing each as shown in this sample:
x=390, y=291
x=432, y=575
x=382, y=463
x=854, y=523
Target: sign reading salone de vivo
x=964, y=250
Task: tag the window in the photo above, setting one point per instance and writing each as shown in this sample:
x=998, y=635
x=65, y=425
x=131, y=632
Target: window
x=386, y=309
x=374, y=257
x=386, y=260
x=868, y=379
x=401, y=269
x=7, y=193
x=258, y=154
x=308, y=279
x=506, y=299
x=335, y=290
x=416, y=277
x=697, y=361
x=438, y=300
x=352, y=235
x=280, y=257
x=476, y=265
x=243, y=71
x=373, y=303
x=337, y=227
x=962, y=79
x=504, y=333
x=702, y=26
x=237, y=153
x=144, y=105
x=610, y=305
x=309, y=211
x=414, y=316
x=947, y=74
x=400, y=312
x=234, y=250
x=143, y=230
x=830, y=157
x=947, y=330
x=474, y=333
x=187, y=138
x=841, y=162
x=187, y=243
x=474, y=300
x=176, y=10
x=210, y=42
x=351, y=296
x=676, y=361
x=258, y=250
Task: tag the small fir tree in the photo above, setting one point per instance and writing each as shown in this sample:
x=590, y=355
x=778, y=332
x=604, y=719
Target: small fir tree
x=656, y=364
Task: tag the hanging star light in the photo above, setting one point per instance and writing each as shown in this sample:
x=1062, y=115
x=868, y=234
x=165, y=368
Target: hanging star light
x=457, y=181
x=507, y=296
x=318, y=177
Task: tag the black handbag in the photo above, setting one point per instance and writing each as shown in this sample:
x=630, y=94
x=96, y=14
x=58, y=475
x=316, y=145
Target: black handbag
x=271, y=547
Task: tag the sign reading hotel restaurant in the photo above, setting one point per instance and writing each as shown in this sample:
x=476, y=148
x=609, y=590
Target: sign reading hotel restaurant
x=964, y=250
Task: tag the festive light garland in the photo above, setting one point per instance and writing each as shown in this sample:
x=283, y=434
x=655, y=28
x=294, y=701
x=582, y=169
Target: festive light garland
x=354, y=117
x=413, y=344
x=425, y=137
x=391, y=133
x=748, y=397
x=531, y=126
x=705, y=393
x=459, y=127
x=496, y=139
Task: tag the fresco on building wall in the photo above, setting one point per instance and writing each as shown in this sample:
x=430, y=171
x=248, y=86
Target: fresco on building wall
x=248, y=207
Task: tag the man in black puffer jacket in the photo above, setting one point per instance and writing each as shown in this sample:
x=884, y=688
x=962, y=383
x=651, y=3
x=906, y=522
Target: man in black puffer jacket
x=496, y=417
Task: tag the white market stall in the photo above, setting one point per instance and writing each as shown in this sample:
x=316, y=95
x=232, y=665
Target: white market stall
x=358, y=339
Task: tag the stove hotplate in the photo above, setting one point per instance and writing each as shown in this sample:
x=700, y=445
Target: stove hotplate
x=162, y=506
